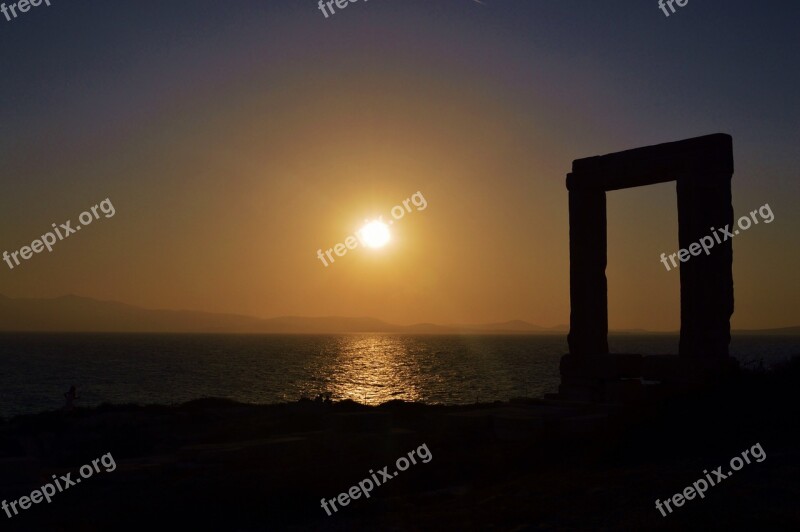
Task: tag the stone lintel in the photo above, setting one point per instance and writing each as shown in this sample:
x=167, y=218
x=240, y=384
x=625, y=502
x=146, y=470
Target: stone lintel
x=708, y=158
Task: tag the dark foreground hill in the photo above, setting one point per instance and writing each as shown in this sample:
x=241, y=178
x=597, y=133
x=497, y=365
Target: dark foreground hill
x=522, y=465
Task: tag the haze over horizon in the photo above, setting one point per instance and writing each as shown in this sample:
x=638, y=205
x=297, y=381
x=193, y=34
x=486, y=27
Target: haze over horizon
x=236, y=142
x=73, y=313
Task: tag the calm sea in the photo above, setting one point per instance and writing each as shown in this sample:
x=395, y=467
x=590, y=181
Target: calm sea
x=36, y=370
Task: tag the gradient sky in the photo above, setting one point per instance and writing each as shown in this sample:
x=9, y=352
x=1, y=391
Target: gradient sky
x=236, y=138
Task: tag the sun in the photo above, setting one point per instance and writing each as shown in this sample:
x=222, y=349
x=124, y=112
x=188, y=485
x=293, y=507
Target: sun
x=375, y=234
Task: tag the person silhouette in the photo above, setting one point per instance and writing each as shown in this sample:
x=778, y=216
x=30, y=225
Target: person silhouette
x=69, y=398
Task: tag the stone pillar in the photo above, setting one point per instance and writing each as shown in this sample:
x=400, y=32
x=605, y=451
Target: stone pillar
x=588, y=289
x=706, y=280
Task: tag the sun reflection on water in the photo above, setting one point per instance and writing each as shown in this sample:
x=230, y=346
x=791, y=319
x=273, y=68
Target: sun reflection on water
x=375, y=368
x=371, y=369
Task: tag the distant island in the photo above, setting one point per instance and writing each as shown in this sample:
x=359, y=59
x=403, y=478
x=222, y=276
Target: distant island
x=81, y=314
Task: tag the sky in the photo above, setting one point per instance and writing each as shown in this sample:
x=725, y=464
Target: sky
x=235, y=139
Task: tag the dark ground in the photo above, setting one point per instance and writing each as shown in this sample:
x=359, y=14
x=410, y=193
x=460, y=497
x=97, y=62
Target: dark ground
x=524, y=465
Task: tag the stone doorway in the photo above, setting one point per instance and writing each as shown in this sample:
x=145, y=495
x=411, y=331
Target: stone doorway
x=702, y=168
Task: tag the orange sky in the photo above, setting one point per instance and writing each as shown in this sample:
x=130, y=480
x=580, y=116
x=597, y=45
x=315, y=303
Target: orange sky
x=224, y=190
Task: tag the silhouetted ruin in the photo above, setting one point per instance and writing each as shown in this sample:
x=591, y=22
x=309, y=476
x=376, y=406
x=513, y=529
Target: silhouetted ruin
x=702, y=168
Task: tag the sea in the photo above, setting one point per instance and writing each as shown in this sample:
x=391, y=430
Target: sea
x=37, y=369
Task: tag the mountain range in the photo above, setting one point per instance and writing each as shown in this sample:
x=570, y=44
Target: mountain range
x=81, y=314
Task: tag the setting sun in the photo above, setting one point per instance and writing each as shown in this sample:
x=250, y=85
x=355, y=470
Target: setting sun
x=375, y=234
